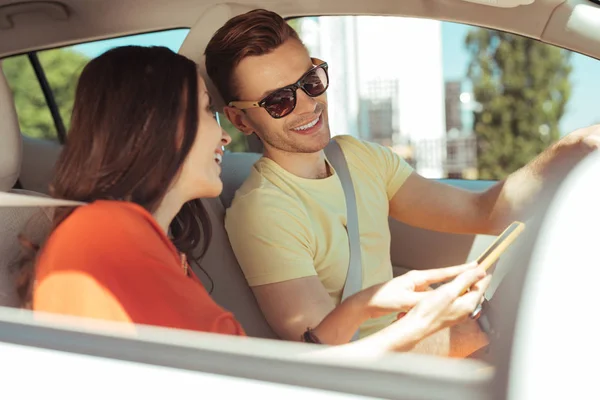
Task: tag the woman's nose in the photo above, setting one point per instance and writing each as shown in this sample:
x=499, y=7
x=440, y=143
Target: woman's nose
x=225, y=138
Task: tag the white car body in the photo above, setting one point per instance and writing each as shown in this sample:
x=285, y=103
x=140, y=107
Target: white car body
x=547, y=346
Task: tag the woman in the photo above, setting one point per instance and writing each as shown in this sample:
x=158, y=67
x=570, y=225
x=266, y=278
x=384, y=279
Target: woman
x=143, y=146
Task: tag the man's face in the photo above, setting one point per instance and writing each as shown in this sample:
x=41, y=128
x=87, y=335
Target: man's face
x=258, y=76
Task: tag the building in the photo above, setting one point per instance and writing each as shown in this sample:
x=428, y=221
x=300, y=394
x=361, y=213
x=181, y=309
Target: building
x=461, y=143
x=453, y=105
x=385, y=85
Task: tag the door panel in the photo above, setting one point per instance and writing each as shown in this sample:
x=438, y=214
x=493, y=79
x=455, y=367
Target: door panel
x=415, y=248
x=156, y=360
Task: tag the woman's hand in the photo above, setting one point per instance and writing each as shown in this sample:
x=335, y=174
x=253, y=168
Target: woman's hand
x=428, y=310
x=449, y=304
x=401, y=294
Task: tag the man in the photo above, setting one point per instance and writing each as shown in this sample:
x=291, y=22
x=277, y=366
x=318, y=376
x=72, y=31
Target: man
x=286, y=223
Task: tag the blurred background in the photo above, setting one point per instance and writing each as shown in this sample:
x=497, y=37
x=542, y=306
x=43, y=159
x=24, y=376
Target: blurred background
x=455, y=101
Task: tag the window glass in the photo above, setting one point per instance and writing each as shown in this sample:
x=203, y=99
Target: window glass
x=62, y=68
x=454, y=100
x=35, y=119
x=238, y=144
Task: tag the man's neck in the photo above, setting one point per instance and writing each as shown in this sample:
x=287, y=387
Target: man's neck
x=303, y=165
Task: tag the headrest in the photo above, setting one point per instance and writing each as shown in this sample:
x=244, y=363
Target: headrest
x=198, y=37
x=10, y=138
x=236, y=168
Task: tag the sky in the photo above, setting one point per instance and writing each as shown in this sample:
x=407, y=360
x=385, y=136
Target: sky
x=582, y=109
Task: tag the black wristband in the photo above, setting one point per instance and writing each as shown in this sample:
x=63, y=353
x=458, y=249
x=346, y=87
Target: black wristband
x=309, y=337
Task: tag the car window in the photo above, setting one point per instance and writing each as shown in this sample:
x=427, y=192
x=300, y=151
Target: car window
x=456, y=101
x=62, y=67
x=238, y=139
x=35, y=119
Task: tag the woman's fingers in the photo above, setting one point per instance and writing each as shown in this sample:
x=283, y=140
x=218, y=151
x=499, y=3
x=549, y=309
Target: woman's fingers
x=429, y=277
x=441, y=299
x=446, y=305
x=464, y=281
x=412, y=298
x=470, y=300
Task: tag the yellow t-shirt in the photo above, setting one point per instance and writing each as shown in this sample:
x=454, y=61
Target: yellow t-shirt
x=284, y=227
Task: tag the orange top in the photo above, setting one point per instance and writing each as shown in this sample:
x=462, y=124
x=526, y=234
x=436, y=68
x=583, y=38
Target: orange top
x=110, y=260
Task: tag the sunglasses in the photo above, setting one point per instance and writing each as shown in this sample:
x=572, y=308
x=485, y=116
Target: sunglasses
x=283, y=101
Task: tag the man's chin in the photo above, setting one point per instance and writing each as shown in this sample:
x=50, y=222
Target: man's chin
x=314, y=144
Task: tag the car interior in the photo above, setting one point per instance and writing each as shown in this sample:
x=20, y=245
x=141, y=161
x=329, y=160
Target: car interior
x=26, y=164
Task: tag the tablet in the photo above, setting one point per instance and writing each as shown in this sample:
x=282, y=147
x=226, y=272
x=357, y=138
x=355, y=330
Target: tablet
x=502, y=242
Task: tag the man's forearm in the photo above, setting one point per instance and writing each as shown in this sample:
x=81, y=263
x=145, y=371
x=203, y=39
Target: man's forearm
x=521, y=193
x=398, y=337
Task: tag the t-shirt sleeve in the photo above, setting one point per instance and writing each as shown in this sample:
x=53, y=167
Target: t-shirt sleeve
x=390, y=166
x=393, y=168
x=270, y=237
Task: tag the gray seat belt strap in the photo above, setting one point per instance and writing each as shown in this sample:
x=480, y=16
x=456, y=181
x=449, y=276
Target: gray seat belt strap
x=8, y=199
x=354, y=278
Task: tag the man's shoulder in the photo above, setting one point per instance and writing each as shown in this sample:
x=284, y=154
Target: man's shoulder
x=348, y=141
x=353, y=145
x=259, y=195
x=357, y=151
x=263, y=199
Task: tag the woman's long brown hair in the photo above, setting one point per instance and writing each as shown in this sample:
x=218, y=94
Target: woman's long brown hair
x=134, y=121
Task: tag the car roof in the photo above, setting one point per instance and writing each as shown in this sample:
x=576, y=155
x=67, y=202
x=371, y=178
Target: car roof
x=33, y=25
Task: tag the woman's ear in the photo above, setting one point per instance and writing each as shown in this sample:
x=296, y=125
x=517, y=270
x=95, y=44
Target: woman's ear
x=238, y=119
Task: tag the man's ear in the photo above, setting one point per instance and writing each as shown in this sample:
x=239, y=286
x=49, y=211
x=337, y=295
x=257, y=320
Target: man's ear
x=238, y=119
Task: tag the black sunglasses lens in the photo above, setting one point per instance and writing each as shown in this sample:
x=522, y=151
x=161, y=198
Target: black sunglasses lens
x=281, y=103
x=316, y=82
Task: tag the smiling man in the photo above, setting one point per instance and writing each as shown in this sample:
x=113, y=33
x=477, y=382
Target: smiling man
x=287, y=222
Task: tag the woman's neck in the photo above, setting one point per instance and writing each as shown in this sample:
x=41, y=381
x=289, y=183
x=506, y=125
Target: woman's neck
x=167, y=210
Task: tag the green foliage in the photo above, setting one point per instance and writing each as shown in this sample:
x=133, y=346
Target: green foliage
x=238, y=139
x=296, y=24
x=62, y=68
x=523, y=87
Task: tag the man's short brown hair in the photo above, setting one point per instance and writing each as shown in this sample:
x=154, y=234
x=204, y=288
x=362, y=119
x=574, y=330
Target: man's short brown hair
x=254, y=33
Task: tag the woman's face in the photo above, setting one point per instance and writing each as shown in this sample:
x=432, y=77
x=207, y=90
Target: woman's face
x=200, y=174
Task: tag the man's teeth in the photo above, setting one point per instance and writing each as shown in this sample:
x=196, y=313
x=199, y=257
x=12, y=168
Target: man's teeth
x=307, y=126
x=218, y=158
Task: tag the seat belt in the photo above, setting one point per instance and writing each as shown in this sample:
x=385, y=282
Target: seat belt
x=353, y=283
x=8, y=199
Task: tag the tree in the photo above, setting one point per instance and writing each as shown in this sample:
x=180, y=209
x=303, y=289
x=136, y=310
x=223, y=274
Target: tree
x=238, y=139
x=523, y=88
x=62, y=68
x=296, y=24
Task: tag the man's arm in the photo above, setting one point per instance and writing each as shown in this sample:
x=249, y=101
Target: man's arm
x=292, y=306
x=432, y=205
x=272, y=239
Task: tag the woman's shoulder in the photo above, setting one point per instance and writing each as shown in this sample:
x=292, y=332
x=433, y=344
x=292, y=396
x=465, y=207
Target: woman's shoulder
x=101, y=211
x=102, y=224
x=106, y=215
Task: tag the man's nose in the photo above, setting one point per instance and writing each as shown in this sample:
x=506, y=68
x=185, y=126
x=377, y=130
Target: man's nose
x=304, y=103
